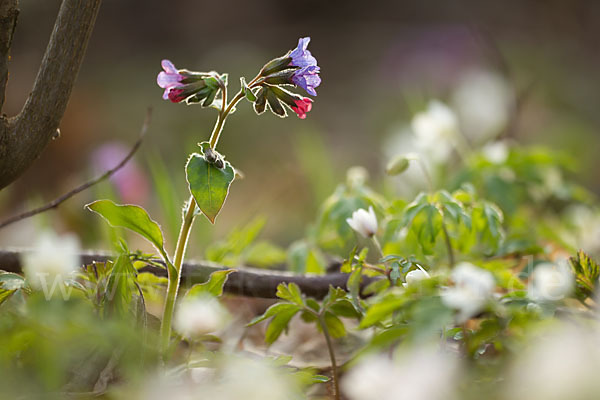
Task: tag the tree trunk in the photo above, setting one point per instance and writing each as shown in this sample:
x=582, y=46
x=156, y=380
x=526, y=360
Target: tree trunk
x=24, y=137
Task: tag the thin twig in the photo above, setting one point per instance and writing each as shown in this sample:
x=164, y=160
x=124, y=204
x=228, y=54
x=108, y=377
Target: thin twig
x=56, y=202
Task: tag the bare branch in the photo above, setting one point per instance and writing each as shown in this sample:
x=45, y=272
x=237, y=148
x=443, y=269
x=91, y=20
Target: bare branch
x=56, y=202
x=245, y=281
x=23, y=138
x=8, y=22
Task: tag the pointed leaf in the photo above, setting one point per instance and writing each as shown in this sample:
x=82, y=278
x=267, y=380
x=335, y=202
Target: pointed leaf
x=131, y=217
x=209, y=185
x=214, y=285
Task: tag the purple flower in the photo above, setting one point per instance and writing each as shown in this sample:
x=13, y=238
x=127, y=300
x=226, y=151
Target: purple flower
x=169, y=78
x=302, y=57
x=307, y=78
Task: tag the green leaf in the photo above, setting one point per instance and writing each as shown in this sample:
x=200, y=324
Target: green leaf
x=334, y=325
x=213, y=286
x=10, y=281
x=119, y=289
x=291, y=293
x=586, y=273
x=379, y=311
x=279, y=323
x=208, y=184
x=131, y=217
x=274, y=310
x=353, y=284
x=247, y=91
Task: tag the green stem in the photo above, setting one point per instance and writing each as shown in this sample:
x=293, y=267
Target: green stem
x=214, y=137
x=334, y=370
x=174, y=271
x=449, y=248
x=175, y=274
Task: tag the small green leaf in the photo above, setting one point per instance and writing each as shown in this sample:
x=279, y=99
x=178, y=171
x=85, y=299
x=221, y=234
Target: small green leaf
x=379, y=311
x=209, y=185
x=291, y=293
x=119, y=289
x=279, y=323
x=274, y=310
x=213, y=286
x=335, y=326
x=131, y=217
x=247, y=91
x=586, y=272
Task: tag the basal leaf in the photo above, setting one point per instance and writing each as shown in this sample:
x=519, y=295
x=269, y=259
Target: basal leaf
x=131, y=217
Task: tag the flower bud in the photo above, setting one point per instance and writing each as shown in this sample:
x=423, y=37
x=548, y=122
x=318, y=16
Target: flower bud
x=261, y=101
x=276, y=65
x=364, y=222
x=397, y=165
x=300, y=105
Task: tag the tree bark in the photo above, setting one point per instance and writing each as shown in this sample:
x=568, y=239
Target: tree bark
x=245, y=281
x=24, y=137
x=8, y=22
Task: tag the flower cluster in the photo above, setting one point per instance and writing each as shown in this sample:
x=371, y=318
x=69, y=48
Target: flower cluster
x=298, y=67
x=193, y=87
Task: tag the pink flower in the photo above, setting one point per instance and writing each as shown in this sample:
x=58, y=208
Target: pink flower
x=302, y=106
x=130, y=181
x=169, y=78
x=176, y=95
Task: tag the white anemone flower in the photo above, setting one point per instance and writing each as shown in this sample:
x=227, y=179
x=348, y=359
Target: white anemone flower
x=473, y=287
x=200, y=316
x=556, y=365
x=53, y=261
x=483, y=101
x=551, y=282
x=364, y=222
x=416, y=276
x=422, y=373
x=436, y=130
x=495, y=152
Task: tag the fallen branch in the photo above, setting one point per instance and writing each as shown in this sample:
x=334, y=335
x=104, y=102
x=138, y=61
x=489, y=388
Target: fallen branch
x=245, y=281
x=56, y=202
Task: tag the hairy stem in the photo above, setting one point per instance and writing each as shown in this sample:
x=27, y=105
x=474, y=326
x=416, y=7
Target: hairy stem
x=334, y=370
x=175, y=274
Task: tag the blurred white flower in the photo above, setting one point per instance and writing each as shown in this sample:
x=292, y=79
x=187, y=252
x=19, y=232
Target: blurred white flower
x=200, y=316
x=551, y=282
x=495, y=152
x=561, y=365
x=356, y=176
x=364, y=222
x=473, y=287
x=423, y=373
x=483, y=102
x=586, y=228
x=53, y=260
x=402, y=141
x=251, y=379
x=415, y=276
x=436, y=130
